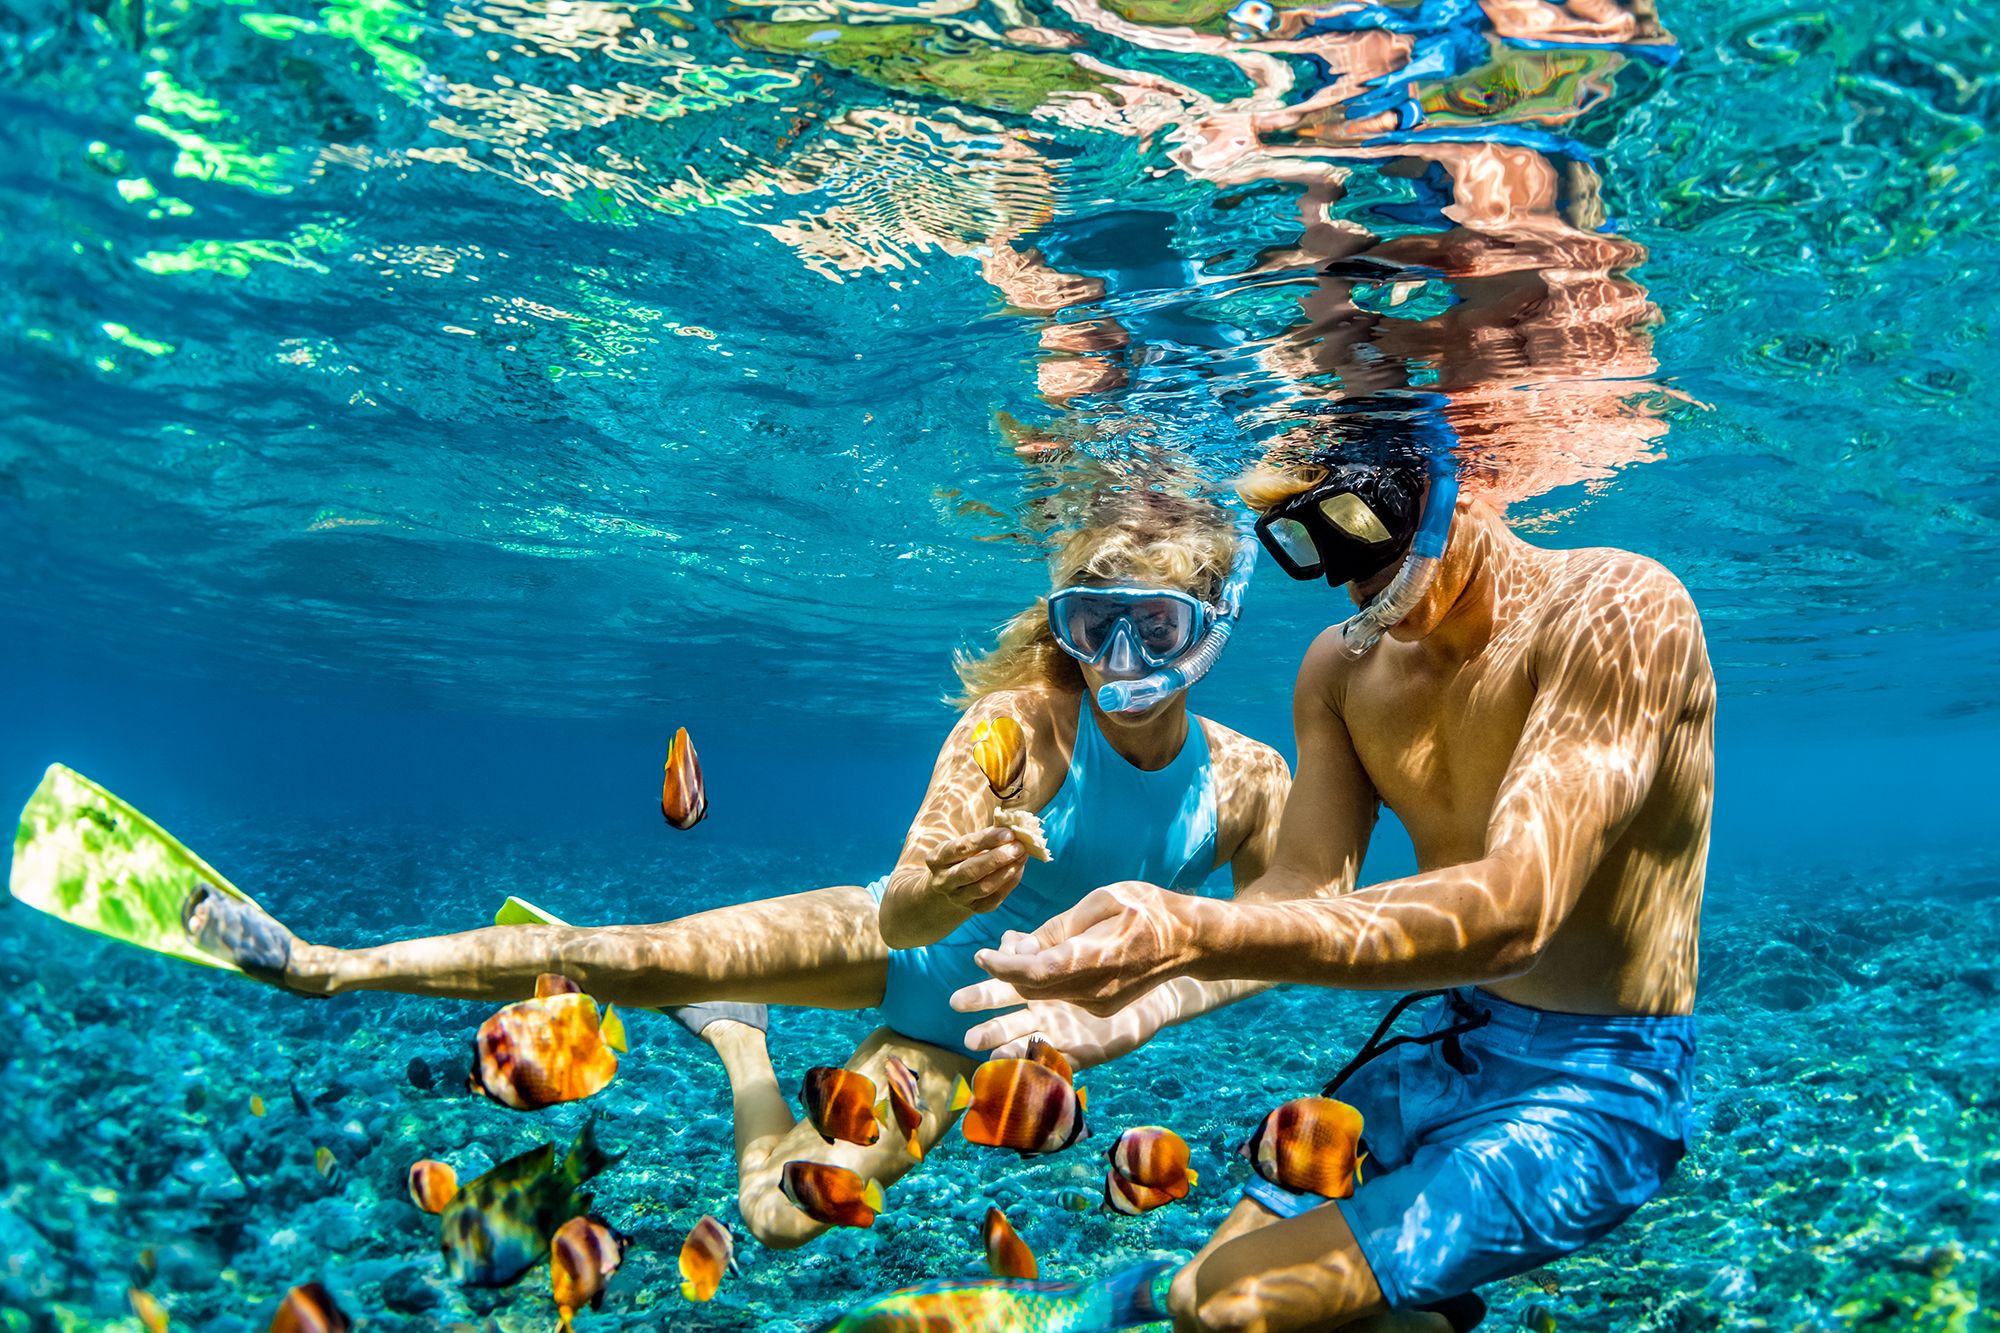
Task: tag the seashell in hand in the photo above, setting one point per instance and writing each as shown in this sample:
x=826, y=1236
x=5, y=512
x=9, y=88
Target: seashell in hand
x=1000, y=748
x=1027, y=829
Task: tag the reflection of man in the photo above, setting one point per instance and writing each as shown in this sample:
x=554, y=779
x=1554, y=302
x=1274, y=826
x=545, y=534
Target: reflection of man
x=1541, y=722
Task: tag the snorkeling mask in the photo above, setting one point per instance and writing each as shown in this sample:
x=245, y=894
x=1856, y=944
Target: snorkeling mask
x=1135, y=626
x=1127, y=631
x=1359, y=521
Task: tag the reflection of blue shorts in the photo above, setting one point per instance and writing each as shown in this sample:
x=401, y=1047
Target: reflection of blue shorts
x=1509, y=1146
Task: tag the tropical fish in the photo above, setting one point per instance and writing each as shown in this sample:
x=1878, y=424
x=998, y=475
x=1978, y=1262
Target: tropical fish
x=499, y=1226
x=538, y=1052
x=708, y=1252
x=256, y=1106
x=1076, y=1201
x=840, y=1104
x=975, y=1305
x=149, y=1262
x=683, y=798
x=1310, y=1145
x=1000, y=748
x=418, y=1071
x=831, y=1194
x=902, y=1103
x=147, y=1309
x=583, y=1254
x=1155, y=1157
x=1538, y=1319
x=432, y=1185
x=323, y=1161
x=1020, y=1104
x=555, y=983
x=309, y=1309
x=1006, y=1253
x=1130, y=1198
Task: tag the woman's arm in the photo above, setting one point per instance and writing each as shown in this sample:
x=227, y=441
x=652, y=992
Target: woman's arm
x=955, y=863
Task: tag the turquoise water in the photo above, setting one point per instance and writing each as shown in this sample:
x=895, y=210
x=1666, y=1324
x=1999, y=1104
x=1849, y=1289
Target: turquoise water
x=414, y=415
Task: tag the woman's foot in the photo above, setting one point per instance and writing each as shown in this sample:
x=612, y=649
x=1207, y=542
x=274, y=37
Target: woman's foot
x=698, y=1018
x=240, y=931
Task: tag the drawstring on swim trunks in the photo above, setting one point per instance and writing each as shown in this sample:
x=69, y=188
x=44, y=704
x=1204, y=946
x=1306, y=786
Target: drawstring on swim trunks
x=1450, y=1034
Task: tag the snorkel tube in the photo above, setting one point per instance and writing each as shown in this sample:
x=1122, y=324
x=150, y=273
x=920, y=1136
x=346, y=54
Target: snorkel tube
x=1365, y=628
x=1136, y=696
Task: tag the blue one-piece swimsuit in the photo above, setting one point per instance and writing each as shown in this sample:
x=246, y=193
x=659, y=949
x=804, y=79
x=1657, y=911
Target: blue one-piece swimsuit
x=1109, y=822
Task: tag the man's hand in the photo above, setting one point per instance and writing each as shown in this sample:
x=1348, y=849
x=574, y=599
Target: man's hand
x=975, y=873
x=1107, y=951
x=1084, y=1037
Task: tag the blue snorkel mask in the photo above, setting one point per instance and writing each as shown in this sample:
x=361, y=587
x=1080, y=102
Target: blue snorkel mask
x=1158, y=642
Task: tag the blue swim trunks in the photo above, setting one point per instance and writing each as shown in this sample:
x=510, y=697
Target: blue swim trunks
x=1508, y=1146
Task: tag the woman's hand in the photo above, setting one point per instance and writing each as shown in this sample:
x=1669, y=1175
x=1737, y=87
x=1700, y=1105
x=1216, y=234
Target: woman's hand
x=1107, y=951
x=975, y=873
x=1086, y=1038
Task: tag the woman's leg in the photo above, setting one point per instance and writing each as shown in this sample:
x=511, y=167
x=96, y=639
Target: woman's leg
x=767, y=1137
x=820, y=948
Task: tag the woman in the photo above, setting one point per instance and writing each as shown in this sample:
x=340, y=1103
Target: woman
x=1158, y=795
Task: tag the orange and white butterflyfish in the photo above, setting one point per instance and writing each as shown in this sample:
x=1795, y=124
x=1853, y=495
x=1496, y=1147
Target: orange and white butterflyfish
x=1042, y=1053
x=555, y=983
x=708, y=1252
x=309, y=1309
x=1020, y=1104
x=433, y=1184
x=831, y=1194
x=683, y=798
x=1310, y=1145
x=840, y=1104
x=902, y=1103
x=1130, y=1198
x=1155, y=1157
x=539, y=1052
x=583, y=1254
x=1006, y=1253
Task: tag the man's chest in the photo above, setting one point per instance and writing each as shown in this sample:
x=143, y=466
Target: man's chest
x=1437, y=745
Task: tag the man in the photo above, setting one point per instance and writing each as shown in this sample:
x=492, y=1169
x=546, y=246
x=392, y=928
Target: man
x=1542, y=723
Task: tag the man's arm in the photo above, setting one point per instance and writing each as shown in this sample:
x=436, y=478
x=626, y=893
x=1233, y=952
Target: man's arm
x=1612, y=690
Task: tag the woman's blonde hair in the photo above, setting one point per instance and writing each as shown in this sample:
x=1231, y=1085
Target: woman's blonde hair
x=1160, y=538
x=1269, y=485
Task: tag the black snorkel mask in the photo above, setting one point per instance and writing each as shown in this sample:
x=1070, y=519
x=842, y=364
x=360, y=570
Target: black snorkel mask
x=1350, y=527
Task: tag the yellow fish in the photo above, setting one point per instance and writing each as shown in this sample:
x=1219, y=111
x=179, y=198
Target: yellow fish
x=1000, y=748
x=148, y=1309
x=256, y=1105
x=323, y=1160
x=708, y=1252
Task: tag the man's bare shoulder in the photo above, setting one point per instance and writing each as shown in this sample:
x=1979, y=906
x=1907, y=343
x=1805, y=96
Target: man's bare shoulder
x=1619, y=610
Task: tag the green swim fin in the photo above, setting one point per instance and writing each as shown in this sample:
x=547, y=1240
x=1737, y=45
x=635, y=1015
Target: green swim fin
x=521, y=912
x=85, y=856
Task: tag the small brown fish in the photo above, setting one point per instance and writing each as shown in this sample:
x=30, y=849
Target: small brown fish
x=902, y=1103
x=1127, y=1197
x=1155, y=1157
x=708, y=1252
x=831, y=1194
x=1000, y=748
x=840, y=1104
x=683, y=798
x=1006, y=1253
x=147, y=1309
x=1310, y=1145
x=432, y=1185
x=536, y=1053
x=323, y=1161
x=149, y=1262
x=555, y=983
x=1020, y=1104
x=309, y=1309
x=583, y=1254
